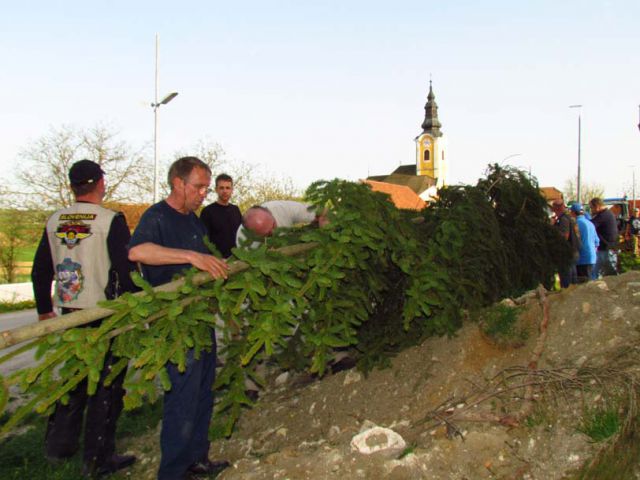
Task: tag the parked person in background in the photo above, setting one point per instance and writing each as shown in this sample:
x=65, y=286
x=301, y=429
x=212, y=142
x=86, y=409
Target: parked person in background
x=568, y=229
x=633, y=231
x=590, y=241
x=222, y=218
x=168, y=240
x=605, y=223
x=84, y=249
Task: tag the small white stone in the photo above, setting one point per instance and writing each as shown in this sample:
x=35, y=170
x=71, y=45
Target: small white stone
x=352, y=377
x=617, y=313
x=379, y=440
x=601, y=285
x=282, y=378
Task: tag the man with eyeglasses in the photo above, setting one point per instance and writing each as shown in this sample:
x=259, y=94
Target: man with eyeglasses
x=168, y=241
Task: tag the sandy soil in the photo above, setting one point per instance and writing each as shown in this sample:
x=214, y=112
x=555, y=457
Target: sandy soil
x=301, y=430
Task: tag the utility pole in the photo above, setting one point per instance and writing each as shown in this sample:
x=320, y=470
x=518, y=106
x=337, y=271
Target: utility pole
x=579, y=107
x=155, y=105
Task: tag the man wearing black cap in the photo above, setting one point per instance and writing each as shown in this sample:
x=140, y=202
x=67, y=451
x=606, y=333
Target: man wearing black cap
x=84, y=250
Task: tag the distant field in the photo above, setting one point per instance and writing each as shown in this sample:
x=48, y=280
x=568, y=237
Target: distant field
x=29, y=229
x=26, y=254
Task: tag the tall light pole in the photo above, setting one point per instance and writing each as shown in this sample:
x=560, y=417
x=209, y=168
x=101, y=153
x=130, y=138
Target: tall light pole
x=579, y=107
x=155, y=105
x=633, y=186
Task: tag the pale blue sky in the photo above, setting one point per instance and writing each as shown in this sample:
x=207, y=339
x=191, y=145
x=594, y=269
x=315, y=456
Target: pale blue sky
x=329, y=89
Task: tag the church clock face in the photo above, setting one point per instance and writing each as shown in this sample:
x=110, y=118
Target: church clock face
x=426, y=142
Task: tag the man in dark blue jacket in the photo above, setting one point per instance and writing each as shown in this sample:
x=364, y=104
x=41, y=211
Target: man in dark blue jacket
x=169, y=240
x=607, y=229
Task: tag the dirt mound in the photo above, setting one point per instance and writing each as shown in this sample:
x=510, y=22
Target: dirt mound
x=446, y=398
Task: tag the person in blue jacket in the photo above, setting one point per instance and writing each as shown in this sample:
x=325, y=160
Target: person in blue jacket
x=590, y=242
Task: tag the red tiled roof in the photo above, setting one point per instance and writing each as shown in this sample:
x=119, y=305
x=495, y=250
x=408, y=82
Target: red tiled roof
x=551, y=193
x=401, y=195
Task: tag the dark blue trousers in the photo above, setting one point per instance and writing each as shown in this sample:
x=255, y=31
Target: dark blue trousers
x=188, y=407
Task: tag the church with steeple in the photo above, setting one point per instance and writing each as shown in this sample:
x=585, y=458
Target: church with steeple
x=429, y=172
x=430, y=144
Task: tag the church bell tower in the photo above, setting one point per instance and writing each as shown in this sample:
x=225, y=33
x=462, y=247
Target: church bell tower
x=430, y=144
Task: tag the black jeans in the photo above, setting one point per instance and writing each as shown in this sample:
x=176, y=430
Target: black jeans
x=584, y=272
x=103, y=409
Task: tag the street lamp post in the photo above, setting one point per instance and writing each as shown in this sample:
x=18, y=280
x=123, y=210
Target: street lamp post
x=579, y=107
x=155, y=105
x=634, y=187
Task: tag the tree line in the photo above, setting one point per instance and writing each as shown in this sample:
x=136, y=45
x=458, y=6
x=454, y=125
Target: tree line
x=39, y=184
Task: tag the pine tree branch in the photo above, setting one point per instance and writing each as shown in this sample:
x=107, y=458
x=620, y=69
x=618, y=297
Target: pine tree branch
x=82, y=317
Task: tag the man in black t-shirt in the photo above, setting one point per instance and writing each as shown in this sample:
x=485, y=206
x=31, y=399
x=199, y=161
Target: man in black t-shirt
x=168, y=241
x=222, y=218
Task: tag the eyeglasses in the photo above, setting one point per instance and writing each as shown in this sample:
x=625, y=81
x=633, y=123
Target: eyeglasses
x=202, y=189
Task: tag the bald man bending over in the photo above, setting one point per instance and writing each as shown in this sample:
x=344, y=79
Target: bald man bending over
x=264, y=219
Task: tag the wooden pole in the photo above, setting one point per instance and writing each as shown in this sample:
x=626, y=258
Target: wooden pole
x=82, y=317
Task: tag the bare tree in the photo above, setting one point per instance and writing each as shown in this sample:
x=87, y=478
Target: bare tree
x=18, y=229
x=42, y=178
x=251, y=185
x=264, y=188
x=587, y=191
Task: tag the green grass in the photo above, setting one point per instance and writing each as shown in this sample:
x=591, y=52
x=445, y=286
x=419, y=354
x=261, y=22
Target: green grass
x=16, y=306
x=22, y=456
x=628, y=262
x=26, y=254
x=600, y=424
x=539, y=416
x=500, y=323
x=617, y=462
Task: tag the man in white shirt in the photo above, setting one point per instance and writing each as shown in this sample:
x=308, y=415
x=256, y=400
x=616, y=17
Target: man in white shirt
x=264, y=219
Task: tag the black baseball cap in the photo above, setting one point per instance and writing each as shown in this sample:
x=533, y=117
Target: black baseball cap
x=85, y=171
